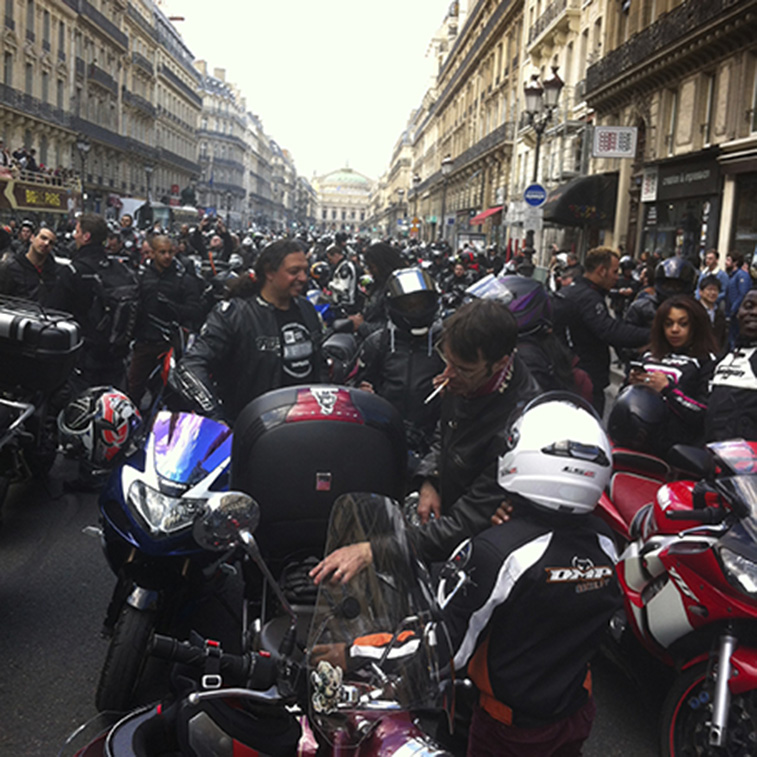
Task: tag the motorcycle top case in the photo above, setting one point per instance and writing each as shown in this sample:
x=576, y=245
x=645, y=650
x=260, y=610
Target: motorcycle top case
x=38, y=348
x=296, y=449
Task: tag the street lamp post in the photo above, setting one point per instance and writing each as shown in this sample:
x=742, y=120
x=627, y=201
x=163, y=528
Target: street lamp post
x=416, y=182
x=541, y=101
x=400, y=212
x=149, y=168
x=446, y=170
x=83, y=146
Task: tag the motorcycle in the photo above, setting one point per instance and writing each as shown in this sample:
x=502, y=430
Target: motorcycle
x=148, y=506
x=146, y=513
x=297, y=699
x=38, y=349
x=689, y=580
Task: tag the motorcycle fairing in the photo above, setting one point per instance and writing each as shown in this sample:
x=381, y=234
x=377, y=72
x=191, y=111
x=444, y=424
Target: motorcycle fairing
x=187, y=447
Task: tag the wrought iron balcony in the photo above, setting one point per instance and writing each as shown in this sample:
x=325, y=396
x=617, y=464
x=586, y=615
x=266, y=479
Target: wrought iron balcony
x=686, y=30
x=503, y=133
x=143, y=24
x=139, y=60
x=137, y=101
x=102, y=23
x=105, y=80
x=166, y=156
x=177, y=82
x=31, y=106
x=100, y=133
x=555, y=12
x=144, y=151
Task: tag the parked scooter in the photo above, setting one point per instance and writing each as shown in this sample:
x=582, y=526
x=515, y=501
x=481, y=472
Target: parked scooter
x=689, y=580
x=309, y=701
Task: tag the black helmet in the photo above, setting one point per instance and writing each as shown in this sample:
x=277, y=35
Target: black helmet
x=638, y=420
x=525, y=298
x=341, y=237
x=412, y=298
x=674, y=276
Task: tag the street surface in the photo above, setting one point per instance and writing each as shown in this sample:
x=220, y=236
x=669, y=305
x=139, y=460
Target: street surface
x=54, y=588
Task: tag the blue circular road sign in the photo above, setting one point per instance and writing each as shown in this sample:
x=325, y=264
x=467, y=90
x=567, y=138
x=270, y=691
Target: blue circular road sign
x=535, y=195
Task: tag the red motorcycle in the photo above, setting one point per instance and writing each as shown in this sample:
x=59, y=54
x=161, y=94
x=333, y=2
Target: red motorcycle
x=296, y=698
x=689, y=580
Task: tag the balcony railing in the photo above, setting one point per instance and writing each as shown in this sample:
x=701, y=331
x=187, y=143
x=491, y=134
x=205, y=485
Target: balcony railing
x=100, y=133
x=96, y=74
x=667, y=33
x=166, y=156
x=31, y=106
x=179, y=84
x=553, y=13
x=138, y=19
x=139, y=102
x=92, y=14
x=139, y=60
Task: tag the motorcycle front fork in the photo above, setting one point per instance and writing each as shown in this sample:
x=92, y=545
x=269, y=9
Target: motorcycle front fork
x=722, y=699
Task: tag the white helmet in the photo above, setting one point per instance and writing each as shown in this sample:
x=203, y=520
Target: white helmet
x=558, y=454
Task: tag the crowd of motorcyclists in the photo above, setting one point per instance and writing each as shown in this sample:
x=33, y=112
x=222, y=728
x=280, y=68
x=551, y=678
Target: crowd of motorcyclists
x=463, y=343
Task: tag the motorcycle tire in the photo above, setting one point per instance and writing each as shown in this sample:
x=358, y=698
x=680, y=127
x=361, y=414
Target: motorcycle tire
x=688, y=708
x=125, y=660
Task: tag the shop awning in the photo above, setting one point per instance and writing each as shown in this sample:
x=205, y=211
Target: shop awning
x=585, y=201
x=481, y=217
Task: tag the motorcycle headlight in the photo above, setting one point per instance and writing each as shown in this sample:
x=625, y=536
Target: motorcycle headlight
x=161, y=512
x=741, y=571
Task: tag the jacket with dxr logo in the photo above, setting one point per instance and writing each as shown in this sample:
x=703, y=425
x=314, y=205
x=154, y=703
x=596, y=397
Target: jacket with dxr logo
x=540, y=591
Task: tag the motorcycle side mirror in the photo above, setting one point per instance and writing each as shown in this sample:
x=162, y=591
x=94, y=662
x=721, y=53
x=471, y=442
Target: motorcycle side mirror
x=224, y=516
x=692, y=461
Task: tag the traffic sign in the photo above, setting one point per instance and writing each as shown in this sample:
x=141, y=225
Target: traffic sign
x=535, y=195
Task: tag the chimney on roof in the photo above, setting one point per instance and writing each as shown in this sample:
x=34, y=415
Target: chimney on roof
x=202, y=67
x=220, y=73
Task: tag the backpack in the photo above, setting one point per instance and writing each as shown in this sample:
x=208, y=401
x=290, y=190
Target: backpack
x=115, y=302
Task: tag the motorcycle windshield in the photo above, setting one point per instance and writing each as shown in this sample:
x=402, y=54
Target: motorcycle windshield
x=736, y=456
x=186, y=447
x=373, y=642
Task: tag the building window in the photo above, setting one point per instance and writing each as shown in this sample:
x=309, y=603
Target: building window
x=30, y=18
x=46, y=28
x=29, y=83
x=59, y=95
x=61, y=37
x=672, y=120
x=324, y=214
x=709, y=105
x=45, y=86
x=8, y=70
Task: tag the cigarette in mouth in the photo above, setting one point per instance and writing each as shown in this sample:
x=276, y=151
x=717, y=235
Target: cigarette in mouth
x=436, y=391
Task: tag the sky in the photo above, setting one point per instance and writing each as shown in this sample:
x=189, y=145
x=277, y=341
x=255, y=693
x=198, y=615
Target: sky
x=333, y=81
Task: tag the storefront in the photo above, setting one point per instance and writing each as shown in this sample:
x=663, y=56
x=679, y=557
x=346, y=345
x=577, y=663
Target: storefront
x=739, y=166
x=681, y=206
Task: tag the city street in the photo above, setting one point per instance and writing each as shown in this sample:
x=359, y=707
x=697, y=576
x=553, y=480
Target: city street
x=54, y=587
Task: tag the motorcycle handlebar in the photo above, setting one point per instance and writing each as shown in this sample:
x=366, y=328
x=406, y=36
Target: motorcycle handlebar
x=705, y=515
x=256, y=670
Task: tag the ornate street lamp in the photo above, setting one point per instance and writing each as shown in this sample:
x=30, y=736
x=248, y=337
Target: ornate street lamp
x=416, y=182
x=541, y=101
x=400, y=211
x=447, y=164
x=149, y=168
x=83, y=146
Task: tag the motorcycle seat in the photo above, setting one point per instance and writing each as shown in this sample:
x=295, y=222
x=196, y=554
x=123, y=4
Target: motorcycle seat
x=629, y=492
x=633, y=461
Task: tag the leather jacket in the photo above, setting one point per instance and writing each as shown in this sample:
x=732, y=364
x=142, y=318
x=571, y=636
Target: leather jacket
x=238, y=356
x=462, y=463
x=19, y=277
x=165, y=298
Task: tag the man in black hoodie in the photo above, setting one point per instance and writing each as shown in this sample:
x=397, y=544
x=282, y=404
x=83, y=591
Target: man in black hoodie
x=31, y=274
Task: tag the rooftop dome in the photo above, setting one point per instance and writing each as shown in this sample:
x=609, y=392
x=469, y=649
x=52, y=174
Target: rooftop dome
x=346, y=176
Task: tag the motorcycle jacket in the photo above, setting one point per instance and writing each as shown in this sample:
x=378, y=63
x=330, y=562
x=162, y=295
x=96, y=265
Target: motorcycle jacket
x=167, y=297
x=732, y=407
x=462, y=462
x=642, y=310
x=240, y=354
x=686, y=394
x=401, y=367
x=538, y=594
x=593, y=329
x=19, y=277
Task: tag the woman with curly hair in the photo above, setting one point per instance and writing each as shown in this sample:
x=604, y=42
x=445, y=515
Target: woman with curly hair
x=678, y=365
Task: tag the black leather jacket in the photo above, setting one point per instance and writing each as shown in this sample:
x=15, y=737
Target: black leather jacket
x=19, y=277
x=238, y=356
x=462, y=463
x=593, y=329
x=732, y=408
x=164, y=298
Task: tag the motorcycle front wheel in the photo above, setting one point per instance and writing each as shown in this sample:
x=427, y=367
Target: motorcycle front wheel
x=125, y=660
x=687, y=712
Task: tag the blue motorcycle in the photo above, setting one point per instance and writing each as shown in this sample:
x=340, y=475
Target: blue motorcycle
x=147, y=510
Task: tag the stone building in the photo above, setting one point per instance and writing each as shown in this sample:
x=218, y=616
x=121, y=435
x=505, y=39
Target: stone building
x=344, y=201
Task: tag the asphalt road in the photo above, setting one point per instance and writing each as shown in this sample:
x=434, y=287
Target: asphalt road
x=54, y=588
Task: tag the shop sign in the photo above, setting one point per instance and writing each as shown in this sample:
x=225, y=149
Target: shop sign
x=688, y=180
x=615, y=141
x=649, y=185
